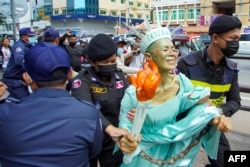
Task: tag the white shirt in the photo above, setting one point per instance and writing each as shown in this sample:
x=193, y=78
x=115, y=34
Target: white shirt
x=120, y=64
x=137, y=61
x=6, y=56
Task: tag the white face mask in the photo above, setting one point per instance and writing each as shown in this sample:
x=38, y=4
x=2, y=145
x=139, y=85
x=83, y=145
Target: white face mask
x=120, y=51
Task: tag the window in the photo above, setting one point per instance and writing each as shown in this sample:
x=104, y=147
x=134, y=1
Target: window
x=244, y=37
x=181, y=14
x=146, y=6
x=64, y=11
x=174, y=14
x=56, y=12
x=113, y=13
x=138, y=4
x=131, y=15
x=113, y=0
x=163, y=15
x=123, y=14
x=122, y=1
x=139, y=16
x=131, y=3
x=103, y=12
x=191, y=14
x=81, y=10
x=198, y=11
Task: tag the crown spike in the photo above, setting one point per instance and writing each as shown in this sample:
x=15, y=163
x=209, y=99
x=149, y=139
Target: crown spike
x=146, y=22
x=158, y=17
x=134, y=30
x=132, y=41
x=169, y=18
x=177, y=28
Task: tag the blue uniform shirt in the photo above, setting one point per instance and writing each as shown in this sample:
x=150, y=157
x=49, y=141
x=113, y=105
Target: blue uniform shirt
x=14, y=68
x=49, y=128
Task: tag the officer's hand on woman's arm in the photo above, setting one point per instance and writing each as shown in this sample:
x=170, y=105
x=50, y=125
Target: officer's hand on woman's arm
x=131, y=114
x=115, y=133
x=3, y=88
x=222, y=123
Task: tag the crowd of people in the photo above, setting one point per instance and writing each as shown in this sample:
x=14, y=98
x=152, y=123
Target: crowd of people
x=54, y=111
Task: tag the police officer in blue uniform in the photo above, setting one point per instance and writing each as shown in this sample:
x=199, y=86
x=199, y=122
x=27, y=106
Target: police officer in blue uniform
x=212, y=67
x=12, y=76
x=103, y=85
x=49, y=128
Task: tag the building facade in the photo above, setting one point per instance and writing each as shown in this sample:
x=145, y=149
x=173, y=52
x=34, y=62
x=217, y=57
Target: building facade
x=94, y=16
x=197, y=15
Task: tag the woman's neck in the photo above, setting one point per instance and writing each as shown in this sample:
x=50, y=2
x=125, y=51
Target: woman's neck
x=167, y=79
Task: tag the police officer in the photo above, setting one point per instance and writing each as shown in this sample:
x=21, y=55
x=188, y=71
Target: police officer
x=52, y=36
x=212, y=67
x=12, y=76
x=49, y=127
x=103, y=85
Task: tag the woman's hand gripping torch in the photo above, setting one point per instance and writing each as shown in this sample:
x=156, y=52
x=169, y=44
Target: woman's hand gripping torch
x=146, y=83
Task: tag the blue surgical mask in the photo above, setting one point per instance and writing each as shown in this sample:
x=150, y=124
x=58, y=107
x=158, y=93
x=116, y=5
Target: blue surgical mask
x=120, y=51
x=32, y=40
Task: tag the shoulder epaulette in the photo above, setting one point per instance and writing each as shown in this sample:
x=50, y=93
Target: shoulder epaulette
x=232, y=65
x=191, y=58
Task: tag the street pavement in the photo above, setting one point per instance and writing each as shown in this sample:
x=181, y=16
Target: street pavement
x=239, y=137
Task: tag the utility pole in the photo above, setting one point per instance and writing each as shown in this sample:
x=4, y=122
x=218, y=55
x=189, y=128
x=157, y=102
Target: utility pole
x=13, y=9
x=127, y=11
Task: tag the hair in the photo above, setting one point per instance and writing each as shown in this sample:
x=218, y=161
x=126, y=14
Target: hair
x=40, y=38
x=4, y=38
x=72, y=35
x=58, y=77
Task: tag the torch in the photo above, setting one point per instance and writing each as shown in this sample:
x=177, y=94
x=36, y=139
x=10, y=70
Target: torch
x=146, y=82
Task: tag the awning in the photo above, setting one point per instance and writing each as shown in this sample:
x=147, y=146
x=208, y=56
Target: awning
x=196, y=29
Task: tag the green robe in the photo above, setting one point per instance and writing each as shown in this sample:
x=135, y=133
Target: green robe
x=163, y=136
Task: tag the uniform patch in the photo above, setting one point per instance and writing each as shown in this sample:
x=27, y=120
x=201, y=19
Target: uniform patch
x=119, y=84
x=76, y=84
x=98, y=89
x=18, y=49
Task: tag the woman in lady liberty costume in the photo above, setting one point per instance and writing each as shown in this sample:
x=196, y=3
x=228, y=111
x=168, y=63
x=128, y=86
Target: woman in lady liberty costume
x=166, y=141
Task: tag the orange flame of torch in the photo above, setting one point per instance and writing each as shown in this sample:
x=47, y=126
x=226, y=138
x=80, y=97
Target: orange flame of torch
x=146, y=81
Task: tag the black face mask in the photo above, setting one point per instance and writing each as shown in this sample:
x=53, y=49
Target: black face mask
x=231, y=49
x=106, y=70
x=72, y=43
